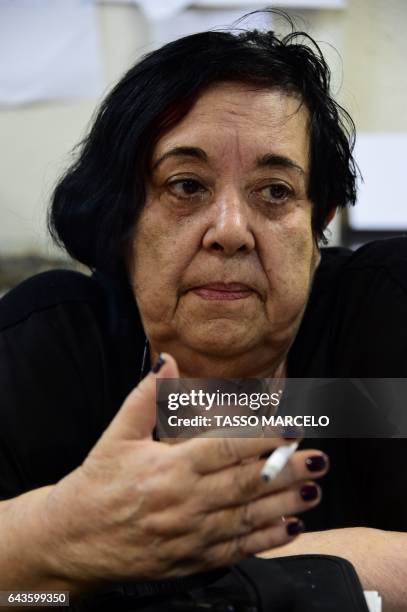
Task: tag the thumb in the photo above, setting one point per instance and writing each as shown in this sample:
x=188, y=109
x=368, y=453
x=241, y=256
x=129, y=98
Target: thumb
x=137, y=415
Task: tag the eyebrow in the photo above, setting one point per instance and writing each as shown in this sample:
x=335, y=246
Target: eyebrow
x=195, y=152
x=269, y=160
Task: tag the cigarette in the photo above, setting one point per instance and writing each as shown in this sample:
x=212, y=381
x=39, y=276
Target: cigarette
x=277, y=461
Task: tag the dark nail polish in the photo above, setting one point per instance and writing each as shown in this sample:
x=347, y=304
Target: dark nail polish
x=158, y=365
x=316, y=463
x=295, y=527
x=309, y=492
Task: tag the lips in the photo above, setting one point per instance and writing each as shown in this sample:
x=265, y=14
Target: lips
x=223, y=291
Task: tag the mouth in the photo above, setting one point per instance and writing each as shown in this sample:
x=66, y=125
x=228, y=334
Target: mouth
x=223, y=291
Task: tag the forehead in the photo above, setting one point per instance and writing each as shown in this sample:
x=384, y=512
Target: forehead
x=253, y=121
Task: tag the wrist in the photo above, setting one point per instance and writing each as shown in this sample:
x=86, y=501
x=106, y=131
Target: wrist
x=60, y=522
x=34, y=544
x=25, y=563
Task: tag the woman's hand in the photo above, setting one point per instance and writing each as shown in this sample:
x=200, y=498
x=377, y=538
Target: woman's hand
x=142, y=510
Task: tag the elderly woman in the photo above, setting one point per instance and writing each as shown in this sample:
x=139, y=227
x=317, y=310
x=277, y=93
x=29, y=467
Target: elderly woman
x=199, y=199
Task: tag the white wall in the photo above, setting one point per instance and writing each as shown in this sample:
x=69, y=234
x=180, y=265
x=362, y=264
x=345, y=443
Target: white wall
x=36, y=140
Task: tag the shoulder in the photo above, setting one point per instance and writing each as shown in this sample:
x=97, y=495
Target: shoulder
x=375, y=270
x=44, y=292
x=54, y=355
x=382, y=256
x=70, y=351
x=354, y=324
x=393, y=249
x=383, y=262
x=369, y=335
x=390, y=253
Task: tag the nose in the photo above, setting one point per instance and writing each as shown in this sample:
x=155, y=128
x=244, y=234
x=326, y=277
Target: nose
x=230, y=230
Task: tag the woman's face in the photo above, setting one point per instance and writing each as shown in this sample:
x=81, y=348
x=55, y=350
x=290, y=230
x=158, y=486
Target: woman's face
x=224, y=254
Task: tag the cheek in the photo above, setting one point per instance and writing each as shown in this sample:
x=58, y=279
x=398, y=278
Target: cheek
x=147, y=252
x=290, y=264
x=158, y=261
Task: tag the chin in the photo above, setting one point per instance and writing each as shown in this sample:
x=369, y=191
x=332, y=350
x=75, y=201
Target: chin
x=221, y=338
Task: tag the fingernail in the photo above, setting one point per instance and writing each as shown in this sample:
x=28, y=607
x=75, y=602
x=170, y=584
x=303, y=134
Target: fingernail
x=309, y=492
x=316, y=463
x=295, y=527
x=158, y=365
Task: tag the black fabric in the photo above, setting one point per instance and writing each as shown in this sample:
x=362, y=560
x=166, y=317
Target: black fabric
x=301, y=583
x=320, y=582
x=71, y=349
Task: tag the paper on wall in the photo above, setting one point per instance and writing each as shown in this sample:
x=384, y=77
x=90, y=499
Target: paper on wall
x=49, y=50
x=374, y=601
x=312, y=4
x=171, y=19
x=196, y=20
x=381, y=201
x=161, y=9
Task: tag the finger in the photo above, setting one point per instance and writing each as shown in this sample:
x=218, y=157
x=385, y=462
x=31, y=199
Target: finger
x=235, y=550
x=137, y=416
x=208, y=455
x=242, y=483
x=260, y=514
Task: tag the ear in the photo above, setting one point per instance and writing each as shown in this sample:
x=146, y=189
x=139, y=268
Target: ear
x=330, y=216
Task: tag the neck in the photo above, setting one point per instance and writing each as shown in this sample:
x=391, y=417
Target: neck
x=196, y=365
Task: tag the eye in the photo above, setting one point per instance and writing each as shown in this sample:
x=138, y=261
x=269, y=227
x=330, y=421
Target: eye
x=276, y=193
x=186, y=188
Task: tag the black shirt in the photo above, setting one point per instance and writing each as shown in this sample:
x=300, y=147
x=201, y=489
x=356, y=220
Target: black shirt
x=71, y=349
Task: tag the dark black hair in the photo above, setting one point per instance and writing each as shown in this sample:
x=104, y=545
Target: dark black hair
x=95, y=205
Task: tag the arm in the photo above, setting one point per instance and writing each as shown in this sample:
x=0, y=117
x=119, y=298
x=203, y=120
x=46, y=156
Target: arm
x=27, y=545
x=379, y=557
x=133, y=495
